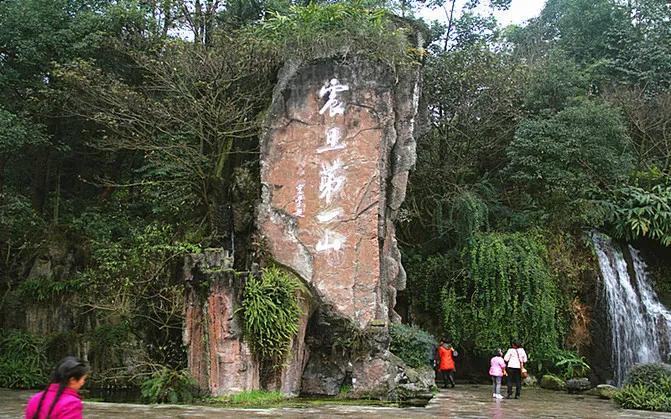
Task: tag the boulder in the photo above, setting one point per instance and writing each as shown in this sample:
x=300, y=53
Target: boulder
x=604, y=391
x=552, y=382
x=578, y=385
x=530, y=381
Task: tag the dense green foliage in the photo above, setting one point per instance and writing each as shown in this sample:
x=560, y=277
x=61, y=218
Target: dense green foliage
x=647, y=374
x=23, y=360
x=508, y=294
x=169, y=386
x=557, y=160
x=563, y=363
x=412, y=344
x=271, y=310
x=251, y=398
x=317, y=31
x=647, y=387
x=129, y=137
x=537, y=133
x=639, y=212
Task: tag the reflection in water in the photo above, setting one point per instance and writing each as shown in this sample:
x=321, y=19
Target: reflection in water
x=496, y=410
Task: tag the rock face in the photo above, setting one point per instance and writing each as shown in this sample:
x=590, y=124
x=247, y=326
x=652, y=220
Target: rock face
x=577, y=385
x=552, y=382
x=218, y=358
x=335, y=159
x=334, y=172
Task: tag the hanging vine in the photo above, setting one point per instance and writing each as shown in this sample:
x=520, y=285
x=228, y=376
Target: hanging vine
x=508, y=293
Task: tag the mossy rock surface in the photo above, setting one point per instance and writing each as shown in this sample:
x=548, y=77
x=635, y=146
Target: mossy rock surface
x=605, y=391
x=552, y=382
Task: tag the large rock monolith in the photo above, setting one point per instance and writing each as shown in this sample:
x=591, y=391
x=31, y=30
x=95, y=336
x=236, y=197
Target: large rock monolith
x=335, y=160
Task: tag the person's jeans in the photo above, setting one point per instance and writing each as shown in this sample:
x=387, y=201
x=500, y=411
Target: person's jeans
x=447, y=376
x=496, y=382
x=514, y=376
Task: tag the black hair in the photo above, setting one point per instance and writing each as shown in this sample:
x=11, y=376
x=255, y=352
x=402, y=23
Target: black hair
x=498, y=352
x=69, y=367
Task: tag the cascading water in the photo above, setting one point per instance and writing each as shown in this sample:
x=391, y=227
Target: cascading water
x=640, y=324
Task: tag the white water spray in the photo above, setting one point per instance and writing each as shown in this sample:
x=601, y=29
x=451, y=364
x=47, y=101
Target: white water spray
x=640, y=324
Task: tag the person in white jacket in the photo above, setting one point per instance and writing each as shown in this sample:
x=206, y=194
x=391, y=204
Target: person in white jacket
x=515, y=358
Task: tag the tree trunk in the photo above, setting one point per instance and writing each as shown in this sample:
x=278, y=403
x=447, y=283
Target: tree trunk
x=40, y=181
x=3, y=163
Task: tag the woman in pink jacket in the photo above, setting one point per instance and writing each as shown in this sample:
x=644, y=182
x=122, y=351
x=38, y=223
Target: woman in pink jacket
x=60, y=400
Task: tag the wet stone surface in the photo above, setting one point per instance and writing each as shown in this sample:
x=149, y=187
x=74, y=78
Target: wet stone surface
x=465, y=401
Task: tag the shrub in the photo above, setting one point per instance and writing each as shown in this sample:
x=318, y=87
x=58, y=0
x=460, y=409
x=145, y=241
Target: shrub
x=271, y=314
x=412, y=344
x=256, y=397
x=637, y=213
x=46, y=288
x=318, y=30
x=23, y=360
x=643, y=397
x=556, y=160
x=647, y=387
x=169, y=386
x=649, y=375
x=566, y=364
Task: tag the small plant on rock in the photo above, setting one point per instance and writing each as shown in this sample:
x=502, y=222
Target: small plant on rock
x=271, y=313
x=412, y=344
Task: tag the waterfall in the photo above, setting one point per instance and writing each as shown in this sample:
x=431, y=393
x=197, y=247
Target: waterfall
x=640, y=324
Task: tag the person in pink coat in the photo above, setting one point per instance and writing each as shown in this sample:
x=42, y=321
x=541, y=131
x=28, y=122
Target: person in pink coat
x=60, y=400
x=497, y=367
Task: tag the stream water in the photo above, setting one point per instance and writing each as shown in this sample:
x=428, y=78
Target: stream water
x=464, y=401
x=640, y=324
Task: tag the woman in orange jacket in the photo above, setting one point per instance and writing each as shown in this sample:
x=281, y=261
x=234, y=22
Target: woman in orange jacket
x=445, y=356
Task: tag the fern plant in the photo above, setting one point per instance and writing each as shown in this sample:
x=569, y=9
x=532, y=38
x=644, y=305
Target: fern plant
x=271, y=312
x=169, y=386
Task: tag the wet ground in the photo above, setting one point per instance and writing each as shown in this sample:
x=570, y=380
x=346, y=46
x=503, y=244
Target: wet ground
x=465, y=401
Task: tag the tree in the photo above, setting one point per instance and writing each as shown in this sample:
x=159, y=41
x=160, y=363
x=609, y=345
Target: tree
x=474, y=104
x=557, y=160
x=192, y=121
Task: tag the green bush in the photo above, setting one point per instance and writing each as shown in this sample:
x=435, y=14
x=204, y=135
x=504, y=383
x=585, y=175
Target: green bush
x=46, y=288
x=271, y=314
x=322, y=30
x=565, y=364
x=169, y=386
x=23, y=360
x=552, y=382
x=644, y=398
x=649, y=375
x=647, y=387
x=412, y=344
x=557, y=160
x=256, y=397
x=638, y=213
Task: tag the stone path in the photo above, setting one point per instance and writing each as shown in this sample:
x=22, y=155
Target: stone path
x=465, y=401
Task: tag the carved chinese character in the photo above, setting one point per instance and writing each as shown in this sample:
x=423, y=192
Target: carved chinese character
x=333, y=104
x=331, y=180
x=333, y=138
x=331, y=241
